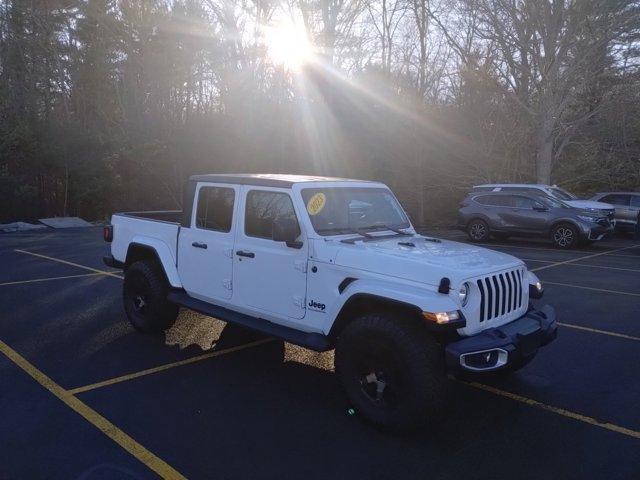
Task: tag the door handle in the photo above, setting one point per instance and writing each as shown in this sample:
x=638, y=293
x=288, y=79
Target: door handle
x=199, y=245
x=242, y=253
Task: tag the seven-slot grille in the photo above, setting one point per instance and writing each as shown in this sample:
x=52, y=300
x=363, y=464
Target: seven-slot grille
x=500, y=294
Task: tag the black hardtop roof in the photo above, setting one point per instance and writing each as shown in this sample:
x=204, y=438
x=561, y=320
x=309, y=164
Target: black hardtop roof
x=266, y=179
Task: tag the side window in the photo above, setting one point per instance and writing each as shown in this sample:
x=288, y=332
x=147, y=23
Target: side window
x=635, y=200
x=262, y=208
x=215, y=208
x=616, y=199
x=483, y=200
x=523, y=202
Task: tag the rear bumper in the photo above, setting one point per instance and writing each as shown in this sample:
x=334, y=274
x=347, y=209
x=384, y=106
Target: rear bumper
x=496, y=348
x=109, y=261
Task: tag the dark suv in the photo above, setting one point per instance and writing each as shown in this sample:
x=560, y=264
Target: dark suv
x=501, y=215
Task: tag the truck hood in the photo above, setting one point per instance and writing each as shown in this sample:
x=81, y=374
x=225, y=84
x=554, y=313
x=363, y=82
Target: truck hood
x=425, y=262
x=589, y=205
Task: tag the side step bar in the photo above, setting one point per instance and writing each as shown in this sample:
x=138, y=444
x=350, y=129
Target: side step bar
x=313, y=341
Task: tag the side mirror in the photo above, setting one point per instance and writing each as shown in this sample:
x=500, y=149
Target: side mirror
x=539, y=207
x=286, y=229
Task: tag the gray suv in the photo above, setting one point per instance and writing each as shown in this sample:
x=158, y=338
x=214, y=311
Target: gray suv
x=627, y=205
x=501, y=215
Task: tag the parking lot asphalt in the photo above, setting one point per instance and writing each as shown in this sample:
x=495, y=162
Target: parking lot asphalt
x=83, y=395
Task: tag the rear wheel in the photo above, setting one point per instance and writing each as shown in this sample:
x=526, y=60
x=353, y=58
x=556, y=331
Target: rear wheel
x=392, y=371
x=564, y=235
x=478, y=230
x=145, y=298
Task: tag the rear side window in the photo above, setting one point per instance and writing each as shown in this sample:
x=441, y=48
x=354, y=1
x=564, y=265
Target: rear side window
x=616, y=199
x=494, y=200
x=215, y=208
x=263, y=207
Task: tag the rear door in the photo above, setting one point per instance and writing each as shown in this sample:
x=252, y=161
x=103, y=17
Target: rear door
x=268, y=275
x=495, y=208
x=205, y=250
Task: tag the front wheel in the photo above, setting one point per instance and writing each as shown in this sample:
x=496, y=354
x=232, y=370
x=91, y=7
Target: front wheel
x=392, y=371
x=564, y=236
x=144, y=294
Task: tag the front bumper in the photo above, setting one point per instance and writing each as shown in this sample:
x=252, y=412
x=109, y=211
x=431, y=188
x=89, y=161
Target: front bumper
x=496, y=348
x=599, y=233
x=596, y=231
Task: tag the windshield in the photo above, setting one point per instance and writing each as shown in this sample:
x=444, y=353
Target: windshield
x=561, y=194
x=346, y=209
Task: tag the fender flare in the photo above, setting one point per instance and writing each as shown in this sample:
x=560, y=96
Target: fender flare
x=406, y=296
x=163, y=255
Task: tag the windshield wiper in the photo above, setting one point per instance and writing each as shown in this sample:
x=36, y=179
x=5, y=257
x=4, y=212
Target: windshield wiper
x=386, y=227
x=343, y=230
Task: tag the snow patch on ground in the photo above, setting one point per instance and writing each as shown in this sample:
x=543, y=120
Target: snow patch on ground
x=64, y=222
x=19, y=227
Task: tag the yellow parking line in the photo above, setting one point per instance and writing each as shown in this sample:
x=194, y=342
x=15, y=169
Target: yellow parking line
x=559, y=411
x=592, y=288
x=544, y=267
x=603, y=332
x=104, y=272
x=167, y=366
x=35, y=280
x=155, y=463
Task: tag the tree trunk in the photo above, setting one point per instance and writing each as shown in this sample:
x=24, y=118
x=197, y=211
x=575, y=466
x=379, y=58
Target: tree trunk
x=544, y=158
x=544, y=143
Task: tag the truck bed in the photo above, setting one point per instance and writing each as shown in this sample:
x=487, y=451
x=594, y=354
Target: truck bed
x=171, y=216
x=160, y=228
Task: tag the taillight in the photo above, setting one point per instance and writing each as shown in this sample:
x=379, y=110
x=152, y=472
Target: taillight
x=107, y=233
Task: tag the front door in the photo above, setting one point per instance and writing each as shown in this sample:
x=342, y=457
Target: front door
x=526, y=214
x=205, y=250
x=269, y=276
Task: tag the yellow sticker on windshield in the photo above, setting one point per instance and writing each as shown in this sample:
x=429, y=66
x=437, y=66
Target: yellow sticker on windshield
x=316, y=203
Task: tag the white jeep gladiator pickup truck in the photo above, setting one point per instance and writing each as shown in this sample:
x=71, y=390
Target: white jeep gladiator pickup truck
x=330, y=263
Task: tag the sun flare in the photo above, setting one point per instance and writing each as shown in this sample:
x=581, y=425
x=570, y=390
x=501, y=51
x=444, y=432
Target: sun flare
x=288, y=45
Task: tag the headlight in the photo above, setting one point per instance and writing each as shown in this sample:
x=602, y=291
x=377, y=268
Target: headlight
x=586, y=218
x=536, y=290
x=463, y=294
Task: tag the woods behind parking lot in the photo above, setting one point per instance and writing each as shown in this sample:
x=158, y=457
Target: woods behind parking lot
x=109, y=106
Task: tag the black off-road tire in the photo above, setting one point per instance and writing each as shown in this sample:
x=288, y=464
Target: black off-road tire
x=406, y=359
x=565, y=236
x=144, y=294
x=478, y=230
